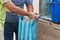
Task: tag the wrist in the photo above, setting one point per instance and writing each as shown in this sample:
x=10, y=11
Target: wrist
x=28, y=13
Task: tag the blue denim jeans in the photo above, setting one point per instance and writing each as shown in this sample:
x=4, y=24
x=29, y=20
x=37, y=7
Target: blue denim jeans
x=9, y=29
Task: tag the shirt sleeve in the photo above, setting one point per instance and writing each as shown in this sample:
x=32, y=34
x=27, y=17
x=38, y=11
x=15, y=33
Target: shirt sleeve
x=28, y=1
x=5, y=1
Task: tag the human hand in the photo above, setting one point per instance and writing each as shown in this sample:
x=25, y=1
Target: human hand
x=32, y=15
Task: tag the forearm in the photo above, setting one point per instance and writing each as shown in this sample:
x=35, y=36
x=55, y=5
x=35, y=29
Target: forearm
x=15, y=9
x=30, y=8
x=20, y=11
x=7, y=10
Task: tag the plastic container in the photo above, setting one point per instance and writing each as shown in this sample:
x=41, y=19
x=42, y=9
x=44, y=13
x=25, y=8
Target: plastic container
x=55, y=11
x=54, y=0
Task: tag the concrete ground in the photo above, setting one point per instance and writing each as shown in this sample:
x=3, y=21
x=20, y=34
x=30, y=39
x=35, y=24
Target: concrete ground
x=1, y=35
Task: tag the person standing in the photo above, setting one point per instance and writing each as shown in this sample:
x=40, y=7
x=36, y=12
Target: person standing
x=13, y=8
x=11, y=22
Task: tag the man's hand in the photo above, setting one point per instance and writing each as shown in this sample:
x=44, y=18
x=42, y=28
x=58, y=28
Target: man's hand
x=32, y=15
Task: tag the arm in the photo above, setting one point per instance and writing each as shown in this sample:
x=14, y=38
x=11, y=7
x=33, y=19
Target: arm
x=7, y=10
x=29, y=7
x=15, y=9
x=18, y=10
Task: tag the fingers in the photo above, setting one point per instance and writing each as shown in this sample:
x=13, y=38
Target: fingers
x=32, y=15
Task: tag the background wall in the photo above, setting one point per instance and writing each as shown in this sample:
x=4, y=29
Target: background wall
x=36, y=5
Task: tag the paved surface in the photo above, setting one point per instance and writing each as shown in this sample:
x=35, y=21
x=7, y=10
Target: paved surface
x=1, y=35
